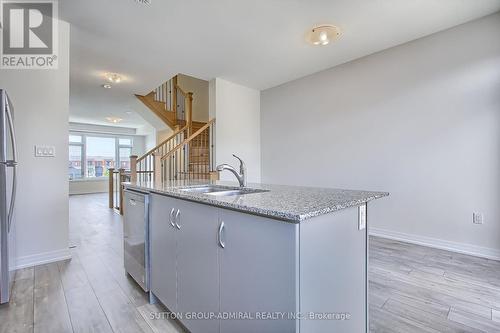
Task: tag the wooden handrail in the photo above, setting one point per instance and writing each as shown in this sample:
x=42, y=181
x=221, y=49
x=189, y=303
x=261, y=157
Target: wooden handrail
x=194, y=135
x=133, y=168
x=161, y=144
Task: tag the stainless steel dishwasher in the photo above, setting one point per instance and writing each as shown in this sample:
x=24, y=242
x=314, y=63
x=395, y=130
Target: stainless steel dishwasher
x=136, y=237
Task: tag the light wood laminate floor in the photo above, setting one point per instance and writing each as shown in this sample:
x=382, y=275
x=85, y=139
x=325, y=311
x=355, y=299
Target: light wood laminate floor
x=412, y=288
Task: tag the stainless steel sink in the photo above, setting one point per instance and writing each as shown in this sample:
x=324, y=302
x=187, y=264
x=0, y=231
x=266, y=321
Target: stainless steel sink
x=231, y=192
x=205, y=189
x=221, y=190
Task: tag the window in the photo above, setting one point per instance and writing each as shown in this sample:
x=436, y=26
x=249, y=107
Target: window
x=91, y=156
x=75, y=162
x=125, y=158
x=124, y=152
x=125, y=142
x=100, y=156
x=75, y=139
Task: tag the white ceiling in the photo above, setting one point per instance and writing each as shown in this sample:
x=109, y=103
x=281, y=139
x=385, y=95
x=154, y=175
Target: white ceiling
x=257, y=43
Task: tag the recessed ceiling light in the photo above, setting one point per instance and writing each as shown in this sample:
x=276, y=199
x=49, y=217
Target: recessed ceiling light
x=113, y=77
x=106, y=86
x=323, y=34
x=114, y=120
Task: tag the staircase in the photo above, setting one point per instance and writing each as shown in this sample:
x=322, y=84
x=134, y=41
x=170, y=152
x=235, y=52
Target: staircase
x=188, y=152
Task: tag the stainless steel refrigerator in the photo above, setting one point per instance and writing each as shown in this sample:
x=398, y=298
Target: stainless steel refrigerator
x=8, y=163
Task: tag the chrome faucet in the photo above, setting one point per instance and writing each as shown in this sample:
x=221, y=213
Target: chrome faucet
x=242, y=176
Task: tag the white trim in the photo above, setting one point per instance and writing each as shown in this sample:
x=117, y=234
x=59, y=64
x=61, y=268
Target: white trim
x=473, y=250
x=87, y=192
x=42, y=258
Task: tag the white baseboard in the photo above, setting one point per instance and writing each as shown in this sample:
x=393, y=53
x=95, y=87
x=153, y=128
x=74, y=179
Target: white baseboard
x=42, y=258
x=86, y=192
x=473, y=250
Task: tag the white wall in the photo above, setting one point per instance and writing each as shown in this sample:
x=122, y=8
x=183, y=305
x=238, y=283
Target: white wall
x=41, y=101
x=237, y=112
x=149, y=134
x=421, y=120
x=88, y=186
x=163, y=135
x=199, y=88
x=149, y=117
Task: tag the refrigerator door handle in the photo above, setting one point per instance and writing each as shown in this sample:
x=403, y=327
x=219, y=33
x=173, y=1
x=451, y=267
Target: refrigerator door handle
x=12, y=198
x=10, y=120
x=12, y=163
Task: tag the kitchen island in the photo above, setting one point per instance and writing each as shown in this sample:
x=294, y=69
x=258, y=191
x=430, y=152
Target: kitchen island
x=264, y=258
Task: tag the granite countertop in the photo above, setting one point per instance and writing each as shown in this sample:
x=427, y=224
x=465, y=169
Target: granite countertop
x=288, y=203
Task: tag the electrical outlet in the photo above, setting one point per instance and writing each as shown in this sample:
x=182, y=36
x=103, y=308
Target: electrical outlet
x=362, y=217
x=45, y=151
x=477, y=218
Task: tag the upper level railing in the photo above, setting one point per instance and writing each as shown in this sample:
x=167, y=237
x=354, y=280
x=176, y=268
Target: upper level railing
x=184, y=109
x=170, y=103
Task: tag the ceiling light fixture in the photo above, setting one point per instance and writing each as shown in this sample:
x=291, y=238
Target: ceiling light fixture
x=323, y=34
x=114, y=120
x=113, y=77
x=106, y=86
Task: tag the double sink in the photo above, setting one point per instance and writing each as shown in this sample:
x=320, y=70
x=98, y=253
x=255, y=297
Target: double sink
x=217, y=190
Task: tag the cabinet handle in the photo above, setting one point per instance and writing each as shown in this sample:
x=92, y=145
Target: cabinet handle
x=177, y=219
x=172, y=217
x=221, y=230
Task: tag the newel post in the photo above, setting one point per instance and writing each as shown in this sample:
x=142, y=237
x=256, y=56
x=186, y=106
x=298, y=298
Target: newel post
x=120, y=188
x=189, y=112
x=133, y=168
x=174, y=97
x=157, y=168
x=111, y=186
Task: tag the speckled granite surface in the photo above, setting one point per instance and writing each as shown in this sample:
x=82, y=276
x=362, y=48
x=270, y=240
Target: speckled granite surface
x=288, y=203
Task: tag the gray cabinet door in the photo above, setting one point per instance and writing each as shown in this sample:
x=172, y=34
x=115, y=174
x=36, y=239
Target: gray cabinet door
x=197, y=265
x=163, y=251
x=258, y=272
x=333, y=272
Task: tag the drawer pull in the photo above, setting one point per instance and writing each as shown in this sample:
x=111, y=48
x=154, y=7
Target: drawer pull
x=171, y=220
x=222, y=243
x=177, y=219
